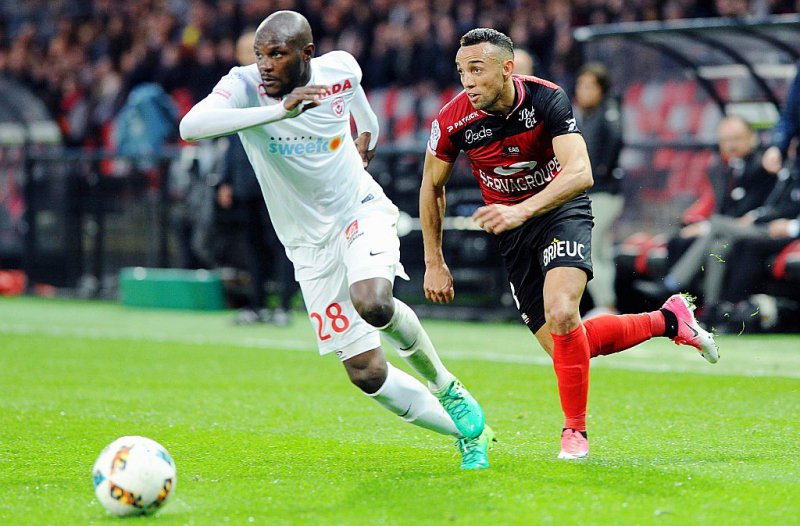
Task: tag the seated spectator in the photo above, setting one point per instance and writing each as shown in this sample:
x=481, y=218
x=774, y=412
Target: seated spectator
x=739, y=185
x=765, y=223
x=756, y=264
x=780, y=216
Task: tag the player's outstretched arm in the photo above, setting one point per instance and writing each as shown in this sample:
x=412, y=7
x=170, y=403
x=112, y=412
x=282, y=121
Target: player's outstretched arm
x=216, y=116
x=438, y=284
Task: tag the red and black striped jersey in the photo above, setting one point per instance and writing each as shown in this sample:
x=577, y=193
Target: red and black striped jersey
x=511, y=155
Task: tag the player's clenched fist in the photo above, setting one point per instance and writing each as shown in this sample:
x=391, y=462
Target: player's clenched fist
x=438, y=284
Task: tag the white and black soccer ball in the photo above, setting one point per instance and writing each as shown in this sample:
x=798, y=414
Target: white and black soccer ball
x=133, y=476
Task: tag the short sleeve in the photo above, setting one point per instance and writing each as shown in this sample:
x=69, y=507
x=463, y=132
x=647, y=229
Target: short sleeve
x=440, y=144
x=558, y=115
x=232, y=88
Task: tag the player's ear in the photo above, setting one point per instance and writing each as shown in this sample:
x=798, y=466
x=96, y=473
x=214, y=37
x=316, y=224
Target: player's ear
x=308, y=52
x=508, y=67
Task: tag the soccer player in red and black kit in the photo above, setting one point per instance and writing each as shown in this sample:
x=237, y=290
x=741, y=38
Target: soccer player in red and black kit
x=530, y=161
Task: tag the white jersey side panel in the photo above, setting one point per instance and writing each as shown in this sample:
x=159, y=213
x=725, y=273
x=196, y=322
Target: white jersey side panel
x=310, y=171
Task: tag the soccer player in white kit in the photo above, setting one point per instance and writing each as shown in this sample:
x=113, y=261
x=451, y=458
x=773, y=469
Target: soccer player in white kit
x=292, y=112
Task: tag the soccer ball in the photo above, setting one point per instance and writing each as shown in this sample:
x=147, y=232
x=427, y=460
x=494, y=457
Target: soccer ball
x=133, y=475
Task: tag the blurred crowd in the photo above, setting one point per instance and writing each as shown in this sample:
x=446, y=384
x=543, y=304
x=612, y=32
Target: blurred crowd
x=83, y=57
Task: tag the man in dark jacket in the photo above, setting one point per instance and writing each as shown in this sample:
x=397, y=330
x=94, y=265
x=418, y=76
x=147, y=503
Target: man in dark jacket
x=740, y=185
x=779, y=225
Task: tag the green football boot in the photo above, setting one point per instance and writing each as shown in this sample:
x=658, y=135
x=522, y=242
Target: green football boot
x=475, y=451
x=465, y=411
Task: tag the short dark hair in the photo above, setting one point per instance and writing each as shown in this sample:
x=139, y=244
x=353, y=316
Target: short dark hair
x=600, y=74
x=486, y=34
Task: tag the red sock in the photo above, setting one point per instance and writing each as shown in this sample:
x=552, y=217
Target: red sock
x=571, y=362
x=608, y=333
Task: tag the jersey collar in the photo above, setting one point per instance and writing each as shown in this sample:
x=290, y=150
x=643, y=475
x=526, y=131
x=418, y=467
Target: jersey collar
x=519, y=95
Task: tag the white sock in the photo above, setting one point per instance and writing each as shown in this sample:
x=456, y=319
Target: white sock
x=405, y=396
x=406, y=334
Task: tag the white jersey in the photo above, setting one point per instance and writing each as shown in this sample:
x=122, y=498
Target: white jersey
x=309, y=168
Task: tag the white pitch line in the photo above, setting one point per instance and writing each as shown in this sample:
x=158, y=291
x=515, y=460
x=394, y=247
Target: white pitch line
x=452, y=354
x=101, y=334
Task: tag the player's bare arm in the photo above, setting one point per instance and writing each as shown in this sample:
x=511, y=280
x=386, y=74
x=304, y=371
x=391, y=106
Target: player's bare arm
x=438, y=283
x=366, y=125
x=575, y=178
x=362, y=144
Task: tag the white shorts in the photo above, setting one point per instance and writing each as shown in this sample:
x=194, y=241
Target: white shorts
x=366, y=247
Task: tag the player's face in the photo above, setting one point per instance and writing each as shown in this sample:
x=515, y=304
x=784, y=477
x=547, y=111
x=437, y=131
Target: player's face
x=280, y=64
x=483, y=74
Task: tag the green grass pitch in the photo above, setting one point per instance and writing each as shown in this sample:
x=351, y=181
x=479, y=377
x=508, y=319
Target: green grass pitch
x=265, y=431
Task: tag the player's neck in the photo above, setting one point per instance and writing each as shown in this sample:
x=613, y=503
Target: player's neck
x=505, y=103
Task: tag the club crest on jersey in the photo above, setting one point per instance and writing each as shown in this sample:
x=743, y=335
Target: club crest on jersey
x=337, y=106
x=337, y=88
x=559, y=248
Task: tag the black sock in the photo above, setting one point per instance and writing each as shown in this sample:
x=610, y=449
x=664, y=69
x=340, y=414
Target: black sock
x=581, y=432
x=670, y=323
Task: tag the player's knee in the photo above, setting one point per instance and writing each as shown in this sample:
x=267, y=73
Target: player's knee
x=367, y=375
x=375, y=310
x=562, y=315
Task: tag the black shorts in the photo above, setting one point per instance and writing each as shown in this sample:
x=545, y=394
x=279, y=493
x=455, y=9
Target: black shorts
x=559, y=238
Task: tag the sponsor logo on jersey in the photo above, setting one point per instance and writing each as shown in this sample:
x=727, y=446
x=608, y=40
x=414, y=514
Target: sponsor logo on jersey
x=338, y=87
x=524, y=182
x=290, y=147
x=511, y=150
x=351, y=230
x=462, y=121
x=515, y=168
x=471, y=136
x=560, y=248
x=351, y=233
x=528, y=117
